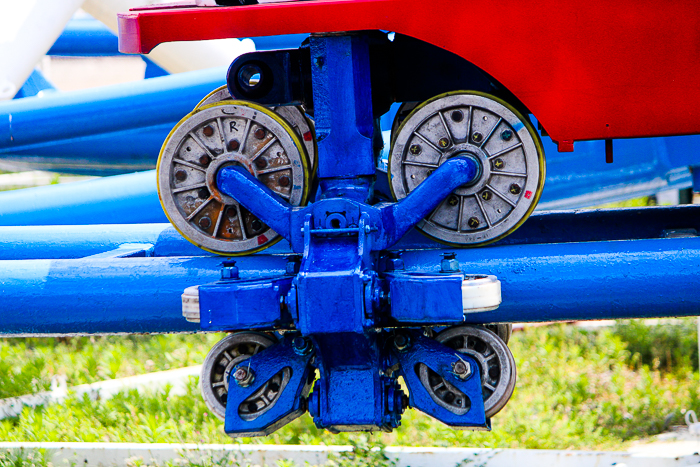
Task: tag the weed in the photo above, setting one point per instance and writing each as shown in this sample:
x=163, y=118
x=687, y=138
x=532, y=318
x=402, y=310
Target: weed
x=576, y=389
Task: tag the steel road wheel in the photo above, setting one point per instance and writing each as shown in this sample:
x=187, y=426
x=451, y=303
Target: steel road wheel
x=294, y=116
x=508, y=149
x=221, y=359
x=217, y=135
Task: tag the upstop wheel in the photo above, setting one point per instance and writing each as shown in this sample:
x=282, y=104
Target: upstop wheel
x=505, y=144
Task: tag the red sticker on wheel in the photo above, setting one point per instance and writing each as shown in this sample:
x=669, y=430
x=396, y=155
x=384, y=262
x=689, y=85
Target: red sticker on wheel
x=528, y=194
x=262, y=239
x=308, y=136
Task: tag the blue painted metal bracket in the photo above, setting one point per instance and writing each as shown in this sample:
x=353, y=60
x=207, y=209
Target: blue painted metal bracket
x=292, y=392
x=440, y=359
x=424, y=298
x=245, y=304
x=388, y=222
x=357, y=376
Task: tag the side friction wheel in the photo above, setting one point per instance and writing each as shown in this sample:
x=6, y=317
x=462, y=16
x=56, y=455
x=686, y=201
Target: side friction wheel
x=221, y=359
x=225, y=134
x=503, y=141
x=496, y=366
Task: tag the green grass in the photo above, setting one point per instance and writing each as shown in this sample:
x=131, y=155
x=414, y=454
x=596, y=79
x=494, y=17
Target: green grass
x=576, y=389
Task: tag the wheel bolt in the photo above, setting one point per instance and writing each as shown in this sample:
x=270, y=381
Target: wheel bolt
x=204, y=160
x=507, y=135
x=301, y=345
x=208, y=130
x=260, y=133
x=180, y=175
x=499, y=163
x=486, y=195
x=205, y=222
x=457, y=115
x=443, y=142
x=515, y=189
x=415, y=149
x=233, y=145
x=260, y=163
x=401, y=342
x=231, y=212
x=243, y=377
x=453, y=200
x=473, y=222
x=203, y=193
x=477, y=137
x=256, y=225
x=284, y=181
x=461, y=369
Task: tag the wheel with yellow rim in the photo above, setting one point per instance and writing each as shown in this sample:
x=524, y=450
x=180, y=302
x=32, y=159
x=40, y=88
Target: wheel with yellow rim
x=510, y=156
x=223, y=134
x=294, y=115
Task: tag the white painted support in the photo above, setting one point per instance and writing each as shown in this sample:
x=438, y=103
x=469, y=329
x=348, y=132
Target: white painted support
x=177, y=379
x=175, y=57
x=28, y=29
x=117, y=454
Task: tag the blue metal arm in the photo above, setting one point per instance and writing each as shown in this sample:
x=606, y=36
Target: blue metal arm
x=398, y=218
x=238, y=183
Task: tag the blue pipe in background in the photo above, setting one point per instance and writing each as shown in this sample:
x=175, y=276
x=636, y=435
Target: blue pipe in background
x=35, y=84
x=107, y=130
x=122, y=199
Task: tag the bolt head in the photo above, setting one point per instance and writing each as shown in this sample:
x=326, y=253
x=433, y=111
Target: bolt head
x=240, y=374
x=233, y=145
x=477, y=137
x=457, y=116
x=473, y=222
x=301, y=345
x=204, y=160
x=461, y=369
x=180, y=175
x=515, y=189
x=486, y=195
x=260, y=163
x=449, y=263
x=499, y=163
x=203, y=193
x=283, y=181
x=208, y=130
x=507, y=135
x=260, y=133
x=453, y=200
x=401, y=342
x=415, y=149
x=205, y=222
x=256, y=225
x=443, y=142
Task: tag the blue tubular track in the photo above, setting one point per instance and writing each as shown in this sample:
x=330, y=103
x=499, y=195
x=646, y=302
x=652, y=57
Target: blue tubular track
x=544, y=276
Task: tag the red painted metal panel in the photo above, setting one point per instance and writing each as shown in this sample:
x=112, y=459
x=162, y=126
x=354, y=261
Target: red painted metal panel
x=586, y=70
